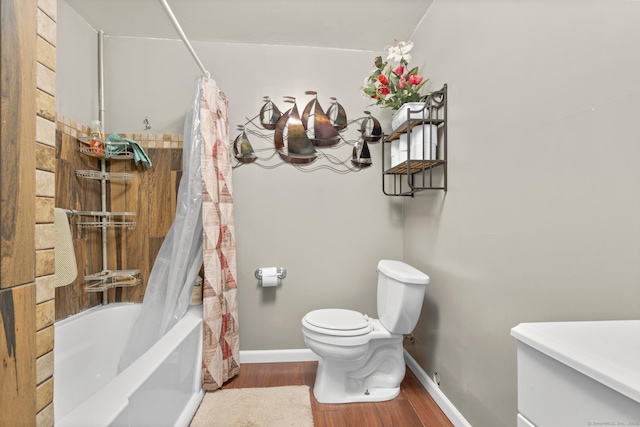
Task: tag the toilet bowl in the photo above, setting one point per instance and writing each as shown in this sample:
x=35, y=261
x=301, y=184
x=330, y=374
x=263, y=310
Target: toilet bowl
x=361, y=359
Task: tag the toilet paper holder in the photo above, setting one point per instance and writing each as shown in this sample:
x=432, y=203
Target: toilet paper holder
x=282, y=273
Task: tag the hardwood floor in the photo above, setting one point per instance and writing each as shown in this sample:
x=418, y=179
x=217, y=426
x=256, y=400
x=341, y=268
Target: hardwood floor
x=413, y=407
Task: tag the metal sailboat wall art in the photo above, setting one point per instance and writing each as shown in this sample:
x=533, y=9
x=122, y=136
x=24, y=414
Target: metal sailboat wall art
x=337, y=115
x=290, y=129
x=269, y=114
x=301, y=139
x=361, y=156
x=370, y=128
x=242, y=149
x=320, y=130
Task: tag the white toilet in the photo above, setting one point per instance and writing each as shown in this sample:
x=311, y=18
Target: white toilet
x=361, y=359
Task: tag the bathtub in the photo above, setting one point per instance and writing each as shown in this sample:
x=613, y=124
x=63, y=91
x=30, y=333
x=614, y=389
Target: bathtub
x=162, y=388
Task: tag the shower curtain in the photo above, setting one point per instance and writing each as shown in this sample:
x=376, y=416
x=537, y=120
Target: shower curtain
x=221, y=358
x=204, y=191
x=179, y=260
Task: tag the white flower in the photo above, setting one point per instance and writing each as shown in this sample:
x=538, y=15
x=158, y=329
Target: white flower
x=400, y=52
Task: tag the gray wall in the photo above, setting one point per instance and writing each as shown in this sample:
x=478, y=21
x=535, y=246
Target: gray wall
x=327, y=230
x=76, y=66
x=542, y=218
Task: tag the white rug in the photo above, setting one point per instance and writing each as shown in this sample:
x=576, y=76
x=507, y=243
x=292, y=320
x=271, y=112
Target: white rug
x=256, y=407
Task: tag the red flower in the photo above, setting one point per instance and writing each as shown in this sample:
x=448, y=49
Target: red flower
x=402, y=83
x=414, y=80
x=383, y=79
x=399, y=70
x=384, y=90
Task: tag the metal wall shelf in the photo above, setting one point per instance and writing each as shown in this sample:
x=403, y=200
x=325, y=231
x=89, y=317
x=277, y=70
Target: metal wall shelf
x=413, y=166
x=109, y=176
x=106, y=219
x=109, y=150
x=107, y=279
x=414, y=175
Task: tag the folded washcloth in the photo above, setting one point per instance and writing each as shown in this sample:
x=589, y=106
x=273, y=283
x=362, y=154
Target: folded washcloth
x=139, y=154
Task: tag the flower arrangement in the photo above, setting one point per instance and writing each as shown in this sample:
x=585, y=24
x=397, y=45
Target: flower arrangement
x=392, y=86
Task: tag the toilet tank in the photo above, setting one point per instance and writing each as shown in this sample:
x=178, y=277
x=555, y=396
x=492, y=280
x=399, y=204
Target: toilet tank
x=400, y=294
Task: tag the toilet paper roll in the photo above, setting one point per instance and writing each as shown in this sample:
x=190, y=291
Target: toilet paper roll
x=269, y=277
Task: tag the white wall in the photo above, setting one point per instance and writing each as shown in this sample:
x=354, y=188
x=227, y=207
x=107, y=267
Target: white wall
x=327, y=230
x=542, y=218
x=76, y=67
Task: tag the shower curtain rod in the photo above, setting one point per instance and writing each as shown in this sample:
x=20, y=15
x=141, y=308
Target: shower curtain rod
x=183, y=36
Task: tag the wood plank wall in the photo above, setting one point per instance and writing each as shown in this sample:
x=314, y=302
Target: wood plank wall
x=27, y=133
x=18, y=112
x=30, y=152
x=151, y=195
x=45, y=193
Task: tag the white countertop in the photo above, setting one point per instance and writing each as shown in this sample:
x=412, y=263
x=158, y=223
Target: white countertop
x=607, y=351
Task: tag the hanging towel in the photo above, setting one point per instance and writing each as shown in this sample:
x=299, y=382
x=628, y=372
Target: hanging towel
x=138, y=152
x=66, y=267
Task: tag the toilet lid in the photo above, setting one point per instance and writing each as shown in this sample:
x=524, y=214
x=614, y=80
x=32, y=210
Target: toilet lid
x=339, y=321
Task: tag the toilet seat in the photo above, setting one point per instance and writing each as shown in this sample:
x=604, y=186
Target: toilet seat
x=337, y=322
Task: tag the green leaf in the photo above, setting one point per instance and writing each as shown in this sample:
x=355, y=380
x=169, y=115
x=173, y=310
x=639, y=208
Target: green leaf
x=421, y=84
x=369, y=90
x=393, y=78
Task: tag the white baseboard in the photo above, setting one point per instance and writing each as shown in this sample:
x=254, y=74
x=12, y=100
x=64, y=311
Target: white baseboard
x=438, y=396
x=306, y=355
x=278, y=356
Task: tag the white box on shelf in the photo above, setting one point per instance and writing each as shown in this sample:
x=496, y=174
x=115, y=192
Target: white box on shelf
x=418, y=111
x=424, y=142
x=399, y=150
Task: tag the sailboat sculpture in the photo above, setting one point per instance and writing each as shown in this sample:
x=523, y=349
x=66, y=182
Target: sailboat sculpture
x=242, y=149
x=370, y=128
x=269, y=114
x=319, y=128
x=361, y=157
x=289, y=128
x=337, y=115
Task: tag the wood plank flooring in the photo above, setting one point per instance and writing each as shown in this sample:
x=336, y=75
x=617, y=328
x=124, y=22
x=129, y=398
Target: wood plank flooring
x=413, y=407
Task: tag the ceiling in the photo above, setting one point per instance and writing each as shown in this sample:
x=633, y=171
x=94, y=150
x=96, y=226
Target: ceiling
x=368, y=25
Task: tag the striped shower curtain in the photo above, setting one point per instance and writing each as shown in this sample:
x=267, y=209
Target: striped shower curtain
x=221, y=359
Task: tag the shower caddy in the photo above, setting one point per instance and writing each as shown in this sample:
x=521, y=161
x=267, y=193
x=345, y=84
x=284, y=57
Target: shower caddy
x=107, y=279
x=418, y=174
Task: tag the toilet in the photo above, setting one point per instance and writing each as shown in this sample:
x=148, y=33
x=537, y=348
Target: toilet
x=361, y=358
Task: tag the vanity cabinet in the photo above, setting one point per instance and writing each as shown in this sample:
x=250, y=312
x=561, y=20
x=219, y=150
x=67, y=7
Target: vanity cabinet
x=578, y=373
x=420, y=167
x=106, y=279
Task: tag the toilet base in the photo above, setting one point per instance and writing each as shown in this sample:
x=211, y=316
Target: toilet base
x=373, y=377
x=375, y=395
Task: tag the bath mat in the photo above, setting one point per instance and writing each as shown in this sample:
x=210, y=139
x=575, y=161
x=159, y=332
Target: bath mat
x=65, y=257
x=255, y=407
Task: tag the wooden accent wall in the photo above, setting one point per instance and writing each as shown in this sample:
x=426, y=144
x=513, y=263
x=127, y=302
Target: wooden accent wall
x=18, y=133
x=45, y=192
x=151, y=195
x=30, y=153
x=27, y=85
x=80, y=195
x=17, y=352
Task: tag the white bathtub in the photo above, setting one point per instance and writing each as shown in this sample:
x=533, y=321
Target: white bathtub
x=162, y=388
